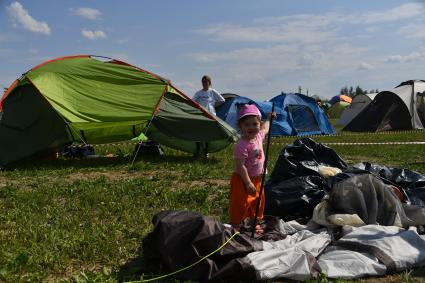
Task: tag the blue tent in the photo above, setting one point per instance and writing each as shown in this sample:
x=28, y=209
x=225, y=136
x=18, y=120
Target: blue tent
x=228, y=110
x=297, y=114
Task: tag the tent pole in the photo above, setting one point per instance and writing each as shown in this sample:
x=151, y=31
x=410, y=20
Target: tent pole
x=72, y=129
x=140, y=143
x=269, y=134
x=155, y=111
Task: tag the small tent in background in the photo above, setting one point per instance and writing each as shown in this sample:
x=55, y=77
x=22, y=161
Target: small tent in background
x=299, y=115
x=359, y=102
x=228, y=111
x=99, y=100
x=402, y=108
x=338, y=98
x=335, y=111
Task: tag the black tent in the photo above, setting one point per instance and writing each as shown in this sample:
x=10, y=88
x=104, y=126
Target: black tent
x=399, y=109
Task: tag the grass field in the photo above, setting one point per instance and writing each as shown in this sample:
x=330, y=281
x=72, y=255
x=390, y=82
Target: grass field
x=82, y=220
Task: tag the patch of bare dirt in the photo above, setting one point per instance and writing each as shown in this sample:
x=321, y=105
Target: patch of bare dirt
x=117, y=175
x=216, y=182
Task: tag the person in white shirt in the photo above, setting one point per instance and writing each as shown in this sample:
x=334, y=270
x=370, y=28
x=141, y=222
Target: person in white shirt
x=208, y=97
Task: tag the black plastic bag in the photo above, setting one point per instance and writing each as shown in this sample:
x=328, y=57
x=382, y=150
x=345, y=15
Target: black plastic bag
x=294, y=199
x=303, y=158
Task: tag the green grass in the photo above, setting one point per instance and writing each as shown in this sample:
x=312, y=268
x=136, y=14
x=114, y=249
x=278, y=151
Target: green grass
x=84, y=220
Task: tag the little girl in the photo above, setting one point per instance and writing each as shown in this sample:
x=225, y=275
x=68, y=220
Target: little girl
x=249, y=161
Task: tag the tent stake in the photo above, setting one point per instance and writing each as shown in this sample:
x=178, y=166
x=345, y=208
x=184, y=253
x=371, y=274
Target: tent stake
x=269, y=134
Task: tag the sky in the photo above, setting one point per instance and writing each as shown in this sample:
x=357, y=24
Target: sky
x=252, y=48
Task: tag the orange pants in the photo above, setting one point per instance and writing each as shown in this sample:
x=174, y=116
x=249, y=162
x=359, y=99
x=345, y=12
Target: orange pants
x=243, y=205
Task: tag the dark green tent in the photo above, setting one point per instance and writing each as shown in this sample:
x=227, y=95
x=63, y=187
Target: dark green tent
x=97, y=100
x=335, y=111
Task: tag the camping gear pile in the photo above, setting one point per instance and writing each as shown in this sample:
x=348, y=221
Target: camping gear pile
x=346, y=222
x=88, y=99
x=78, y=151
x=148, y=148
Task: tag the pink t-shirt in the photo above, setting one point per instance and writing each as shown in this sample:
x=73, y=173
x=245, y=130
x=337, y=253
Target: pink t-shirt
x=252, y=152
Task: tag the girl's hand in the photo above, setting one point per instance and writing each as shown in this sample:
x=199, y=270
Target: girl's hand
x=272, y=114
x=251, y=189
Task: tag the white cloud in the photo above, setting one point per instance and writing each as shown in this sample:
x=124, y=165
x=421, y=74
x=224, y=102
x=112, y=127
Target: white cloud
x=21, y=17
x=365, y=66
x=309, y=28
x=402, y=12
x=413, y=31
x=414, y=56
x=93, y=34
x=320, y=49
x=88, y=13
x=372, y=29
x=280, y=30
x=287, y=57
x=245, y=54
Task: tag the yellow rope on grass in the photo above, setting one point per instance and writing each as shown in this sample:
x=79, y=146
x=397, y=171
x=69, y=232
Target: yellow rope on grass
x=189, y=266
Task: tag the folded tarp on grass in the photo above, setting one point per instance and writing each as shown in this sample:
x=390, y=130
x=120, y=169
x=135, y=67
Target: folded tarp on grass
x=181, y=238
x=350, y=226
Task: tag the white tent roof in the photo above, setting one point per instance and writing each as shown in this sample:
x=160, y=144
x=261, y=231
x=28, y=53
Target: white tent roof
x=407, y=91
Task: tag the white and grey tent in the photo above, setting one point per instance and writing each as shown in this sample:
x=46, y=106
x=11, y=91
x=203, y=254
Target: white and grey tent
x=359, y=102
x=402, y=108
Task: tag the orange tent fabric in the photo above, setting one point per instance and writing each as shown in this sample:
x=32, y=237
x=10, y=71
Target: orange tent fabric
x=345, y=98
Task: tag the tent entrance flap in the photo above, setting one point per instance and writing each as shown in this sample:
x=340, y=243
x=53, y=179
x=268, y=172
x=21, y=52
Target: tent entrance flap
x=303, y=119
x=28, y=126
x=106, y=132
x=420, y=106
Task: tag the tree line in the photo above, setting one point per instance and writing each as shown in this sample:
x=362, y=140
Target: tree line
x=350, y=91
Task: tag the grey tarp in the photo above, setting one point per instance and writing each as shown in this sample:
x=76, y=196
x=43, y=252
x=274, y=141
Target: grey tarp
x=373, y=201
x=413, y=183
x=338, y=262
x=181, y=238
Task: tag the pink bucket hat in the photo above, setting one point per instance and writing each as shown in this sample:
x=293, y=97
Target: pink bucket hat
x=248, y=110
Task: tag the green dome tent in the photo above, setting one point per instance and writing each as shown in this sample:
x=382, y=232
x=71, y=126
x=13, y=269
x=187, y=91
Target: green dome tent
x=335, y=111
x=98, y=100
